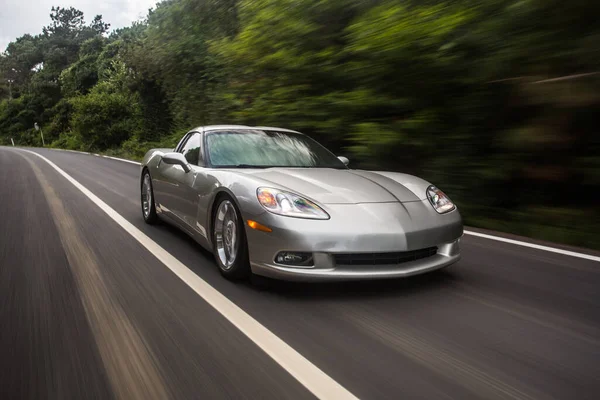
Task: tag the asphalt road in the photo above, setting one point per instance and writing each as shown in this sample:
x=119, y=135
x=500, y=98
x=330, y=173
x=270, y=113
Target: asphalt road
x=86, y=311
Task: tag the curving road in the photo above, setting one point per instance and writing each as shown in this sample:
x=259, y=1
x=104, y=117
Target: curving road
x=90, y=310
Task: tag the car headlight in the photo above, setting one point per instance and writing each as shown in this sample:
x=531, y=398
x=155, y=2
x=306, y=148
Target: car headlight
x=289, y=204
x=438, y=199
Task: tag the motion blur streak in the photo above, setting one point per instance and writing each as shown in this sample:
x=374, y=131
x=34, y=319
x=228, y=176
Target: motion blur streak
x=315, y=380
x=404, y=341
x=565, y=326
x=131, y=368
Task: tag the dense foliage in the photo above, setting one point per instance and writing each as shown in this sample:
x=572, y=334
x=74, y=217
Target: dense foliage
x=497, y=102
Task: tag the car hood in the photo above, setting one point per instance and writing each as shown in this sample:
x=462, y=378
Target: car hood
x=337, y=186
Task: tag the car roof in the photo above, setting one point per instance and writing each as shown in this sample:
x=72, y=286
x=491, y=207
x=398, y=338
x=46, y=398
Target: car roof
x=241, y=127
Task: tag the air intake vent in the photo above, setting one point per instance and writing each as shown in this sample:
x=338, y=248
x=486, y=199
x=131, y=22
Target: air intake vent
x=383, y=258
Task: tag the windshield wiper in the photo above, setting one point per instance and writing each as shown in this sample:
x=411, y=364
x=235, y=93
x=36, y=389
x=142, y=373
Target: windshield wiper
x=243, y=166
x=250, y=166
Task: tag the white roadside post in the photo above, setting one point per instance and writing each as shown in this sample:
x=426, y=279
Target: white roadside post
x=13, y=142
x=38, y=128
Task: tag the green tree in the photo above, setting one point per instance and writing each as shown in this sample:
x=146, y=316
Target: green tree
x=175, y=53
x=82, y=75
x=109, y=114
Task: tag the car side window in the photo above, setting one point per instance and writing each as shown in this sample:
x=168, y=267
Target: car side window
x=182, y=142
x=191, y=149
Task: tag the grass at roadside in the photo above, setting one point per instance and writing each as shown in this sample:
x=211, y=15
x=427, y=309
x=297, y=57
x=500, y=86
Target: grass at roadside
x=559, y=227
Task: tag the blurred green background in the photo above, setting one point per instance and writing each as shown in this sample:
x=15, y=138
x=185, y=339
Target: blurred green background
x=496, y=102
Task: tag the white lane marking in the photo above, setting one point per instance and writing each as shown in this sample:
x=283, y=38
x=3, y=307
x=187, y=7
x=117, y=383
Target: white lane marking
x=73, y=151
x=308, y=374
x=534, y=246
x=100, y=155
x=122, y=159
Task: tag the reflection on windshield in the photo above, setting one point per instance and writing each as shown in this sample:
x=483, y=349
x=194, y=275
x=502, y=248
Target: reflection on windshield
x=256, y=148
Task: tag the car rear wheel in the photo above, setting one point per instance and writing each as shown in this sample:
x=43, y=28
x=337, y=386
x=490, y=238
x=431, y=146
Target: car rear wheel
x=147, y=200
x=229, y=241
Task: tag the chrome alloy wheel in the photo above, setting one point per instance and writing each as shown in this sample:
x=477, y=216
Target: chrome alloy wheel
x=226, y=236
x=146, y=195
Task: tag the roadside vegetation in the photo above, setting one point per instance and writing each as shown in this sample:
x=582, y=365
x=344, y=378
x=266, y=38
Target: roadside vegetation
x=497, y=102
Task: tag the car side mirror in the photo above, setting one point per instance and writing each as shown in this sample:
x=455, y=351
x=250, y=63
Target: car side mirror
x=176, y=159
x=344, y=160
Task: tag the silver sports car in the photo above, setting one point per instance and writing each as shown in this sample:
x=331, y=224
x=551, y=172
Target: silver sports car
x=276, y=203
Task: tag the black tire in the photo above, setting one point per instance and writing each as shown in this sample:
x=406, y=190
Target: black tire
x=240, y=268
x=150, y=217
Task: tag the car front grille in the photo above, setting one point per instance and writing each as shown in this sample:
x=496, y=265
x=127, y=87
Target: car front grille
x=383, y=258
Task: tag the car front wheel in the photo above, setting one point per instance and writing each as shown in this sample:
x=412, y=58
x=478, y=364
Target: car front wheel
x=147, y=200
x=229, y=241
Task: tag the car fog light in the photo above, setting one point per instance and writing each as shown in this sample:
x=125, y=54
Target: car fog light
x=294, y=258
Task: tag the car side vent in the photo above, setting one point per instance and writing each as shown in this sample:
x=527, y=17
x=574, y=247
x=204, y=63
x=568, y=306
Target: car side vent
x=383, y=258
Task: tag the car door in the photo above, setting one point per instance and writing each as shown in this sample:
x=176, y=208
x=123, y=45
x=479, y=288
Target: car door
x=164, y=188
x=181, y=198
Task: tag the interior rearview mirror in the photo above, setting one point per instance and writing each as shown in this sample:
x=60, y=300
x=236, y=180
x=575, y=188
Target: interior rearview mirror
x=177, y=159
x=344, y=160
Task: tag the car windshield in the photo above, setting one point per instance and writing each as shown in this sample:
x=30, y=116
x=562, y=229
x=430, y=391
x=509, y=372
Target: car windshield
x=250, y=148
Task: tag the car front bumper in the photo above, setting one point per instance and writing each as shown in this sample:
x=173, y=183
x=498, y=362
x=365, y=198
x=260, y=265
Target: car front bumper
x=326, y=269
x=358, y=229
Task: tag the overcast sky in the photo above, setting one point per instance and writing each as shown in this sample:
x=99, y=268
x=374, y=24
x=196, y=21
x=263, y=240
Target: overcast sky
x=18, y=17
